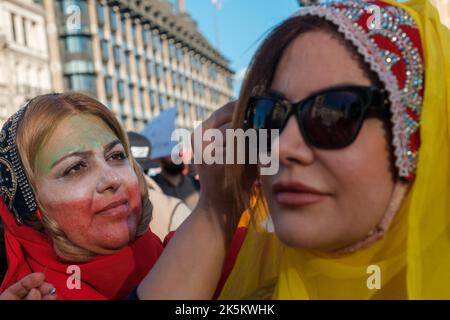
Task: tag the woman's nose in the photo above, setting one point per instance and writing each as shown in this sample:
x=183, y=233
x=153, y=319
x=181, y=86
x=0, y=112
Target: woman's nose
x=293, y=148
x=108, y=180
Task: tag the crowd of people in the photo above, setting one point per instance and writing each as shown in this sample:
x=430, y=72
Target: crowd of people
x=363, y=111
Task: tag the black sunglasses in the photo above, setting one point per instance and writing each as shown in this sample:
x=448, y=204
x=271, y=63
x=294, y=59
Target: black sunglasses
x=329, y=119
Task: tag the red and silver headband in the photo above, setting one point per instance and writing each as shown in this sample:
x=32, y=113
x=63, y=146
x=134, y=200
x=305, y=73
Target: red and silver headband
x=389, y=40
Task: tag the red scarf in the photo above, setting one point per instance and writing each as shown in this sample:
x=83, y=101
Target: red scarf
x=104, y=277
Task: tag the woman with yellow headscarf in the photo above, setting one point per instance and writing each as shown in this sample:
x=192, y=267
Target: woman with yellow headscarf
x=407, y=255
x=360, y=205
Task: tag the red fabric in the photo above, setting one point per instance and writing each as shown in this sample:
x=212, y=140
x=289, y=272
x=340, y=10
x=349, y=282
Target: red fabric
x=167, y=238
x=105, y=277
x=231, y=257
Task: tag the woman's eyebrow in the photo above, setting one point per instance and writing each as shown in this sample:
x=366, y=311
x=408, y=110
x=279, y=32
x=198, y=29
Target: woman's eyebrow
x=111, y=145
x=85, y=154
x=81, y=154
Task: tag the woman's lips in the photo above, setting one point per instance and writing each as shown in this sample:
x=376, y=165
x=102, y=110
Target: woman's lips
x=115, y=209
x=295, y=193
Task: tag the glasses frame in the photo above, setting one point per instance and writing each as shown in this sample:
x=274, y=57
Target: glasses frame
x=374, y=103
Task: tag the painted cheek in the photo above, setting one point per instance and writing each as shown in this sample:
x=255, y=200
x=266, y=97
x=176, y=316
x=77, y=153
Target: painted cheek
x=72, y=216
x=134, y=195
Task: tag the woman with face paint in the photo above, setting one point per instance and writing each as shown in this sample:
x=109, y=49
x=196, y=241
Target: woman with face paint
x=359, y=208
x=75, y=204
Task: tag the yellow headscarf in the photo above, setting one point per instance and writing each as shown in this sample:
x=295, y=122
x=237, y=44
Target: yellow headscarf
x=412, y=260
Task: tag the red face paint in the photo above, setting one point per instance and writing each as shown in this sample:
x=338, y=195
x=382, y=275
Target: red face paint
x=93, y=194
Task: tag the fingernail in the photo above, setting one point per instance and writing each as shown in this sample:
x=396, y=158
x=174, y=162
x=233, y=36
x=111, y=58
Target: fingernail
x=53, y=291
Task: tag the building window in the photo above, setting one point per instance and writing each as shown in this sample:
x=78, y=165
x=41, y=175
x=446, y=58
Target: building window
x=145, y=35
x=159, y=72
x=149, y=67
x=183, y=82
x=152, y=99
x=100, y=13
x=186, y=110
x=133, y=33
x=127, y=62
x=25, y=32
x=137, y=62
x=113, y=19
x=121, y=89
x=101, y=32
x=156, y=42
x=180, y=55
x=77, y=44
x=212, y=72
x=117, y=55
x=124, y=28
x=166, y=73
x=81, y=82
x=162, y=101
x=78, y=66
x=105, y=50
x=105, y=69
x=109, y=86
x=13, y=26
x=141, y=101
x=131, y=96
x=175, y=78
x=172, y=50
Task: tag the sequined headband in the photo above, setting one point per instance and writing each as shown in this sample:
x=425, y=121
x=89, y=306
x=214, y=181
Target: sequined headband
x=389, y=40
x=15, y=188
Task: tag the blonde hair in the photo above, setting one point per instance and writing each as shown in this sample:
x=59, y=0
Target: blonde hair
x=42, y=116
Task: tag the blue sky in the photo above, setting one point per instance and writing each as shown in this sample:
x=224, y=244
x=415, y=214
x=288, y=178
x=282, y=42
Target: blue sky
x=239, y=24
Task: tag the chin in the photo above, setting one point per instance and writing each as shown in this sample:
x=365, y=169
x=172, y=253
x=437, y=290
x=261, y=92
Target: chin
x=295, y=232
x=115, y=243
x=117, y=237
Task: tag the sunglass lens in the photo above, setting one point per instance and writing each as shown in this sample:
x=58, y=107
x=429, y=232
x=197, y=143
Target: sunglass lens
x=332, y=120
x=259, y=112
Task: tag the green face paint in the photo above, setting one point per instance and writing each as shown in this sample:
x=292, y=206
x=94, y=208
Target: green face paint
x=78, y=133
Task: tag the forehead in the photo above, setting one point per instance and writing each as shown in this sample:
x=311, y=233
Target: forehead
x=314, y=61
x=80, y=128
x=79, y=132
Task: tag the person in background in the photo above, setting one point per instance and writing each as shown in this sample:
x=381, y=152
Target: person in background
x=168, y=212
x=174, y=183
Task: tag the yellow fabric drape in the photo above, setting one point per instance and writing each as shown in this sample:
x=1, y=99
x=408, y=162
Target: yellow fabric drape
x=414, y=256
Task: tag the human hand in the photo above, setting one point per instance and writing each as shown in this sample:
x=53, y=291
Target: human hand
x=31, y=287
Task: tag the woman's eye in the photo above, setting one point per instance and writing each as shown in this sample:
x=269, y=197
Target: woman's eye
x=75, y=168
x=118, y=156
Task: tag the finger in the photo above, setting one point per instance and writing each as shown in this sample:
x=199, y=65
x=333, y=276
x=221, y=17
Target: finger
x=33, y=280
x=46, y=288
x=34, y=294
x=20, y=289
